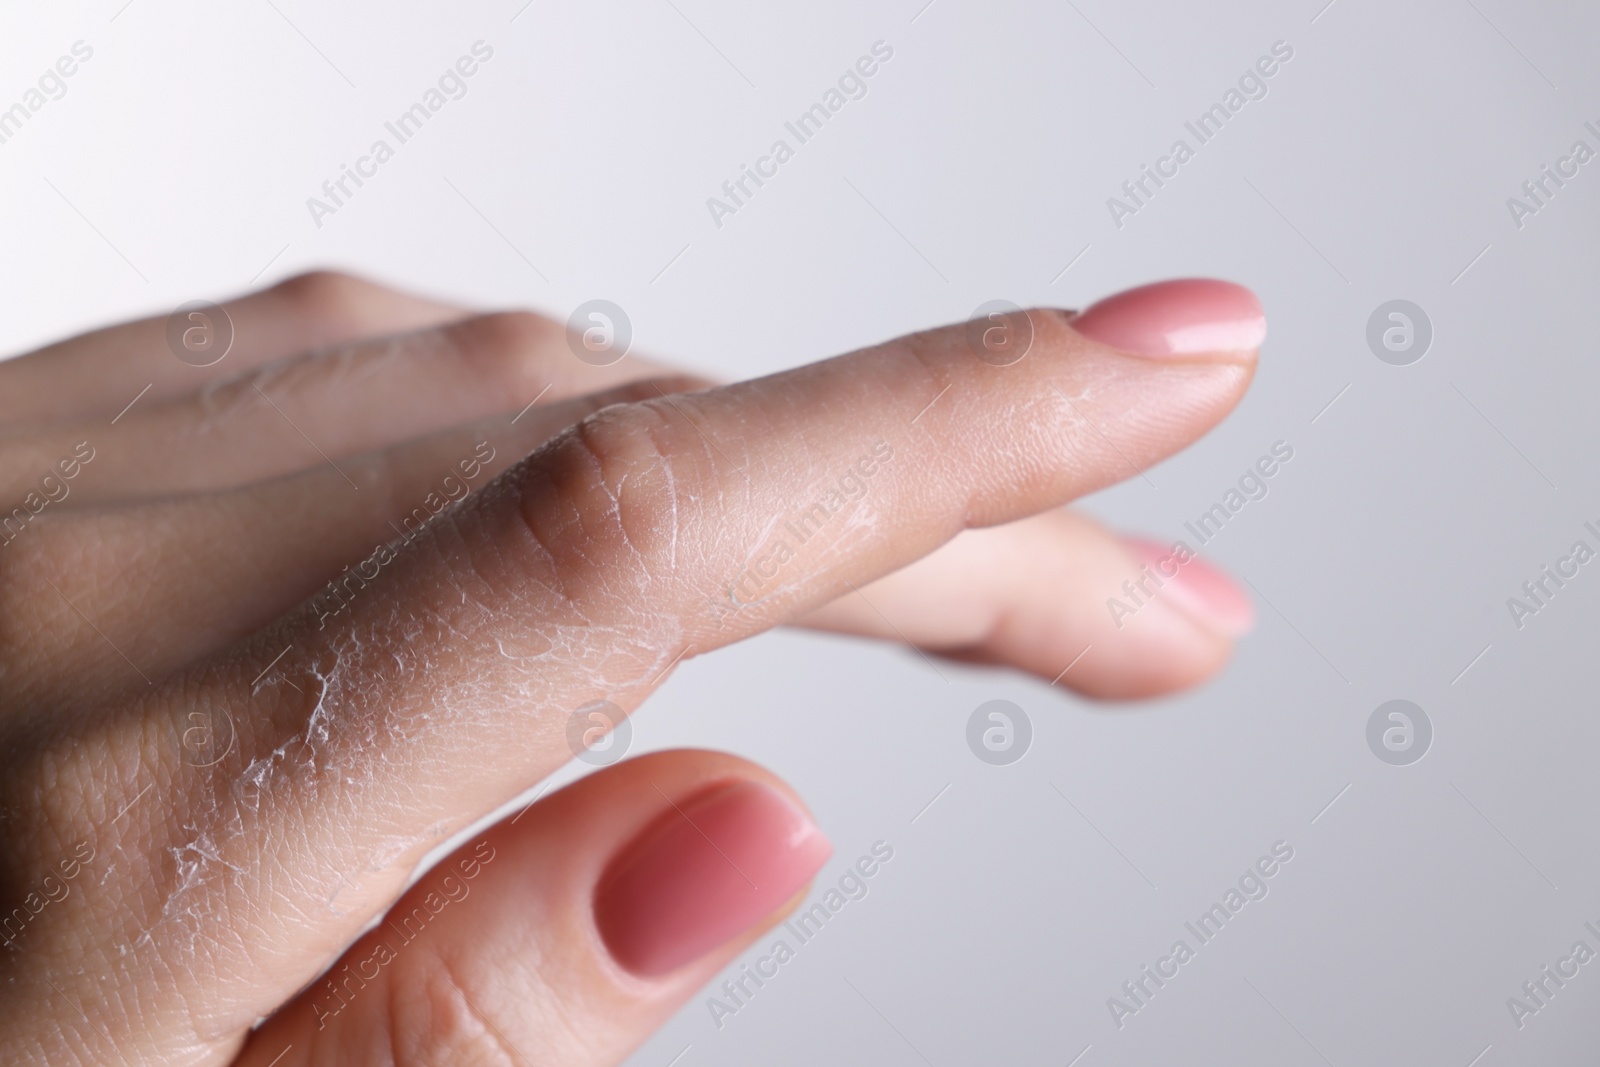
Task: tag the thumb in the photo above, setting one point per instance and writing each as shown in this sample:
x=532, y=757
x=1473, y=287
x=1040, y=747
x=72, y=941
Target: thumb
x=567, y=933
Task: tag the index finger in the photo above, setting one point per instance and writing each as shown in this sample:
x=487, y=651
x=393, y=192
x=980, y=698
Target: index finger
x=441, y=682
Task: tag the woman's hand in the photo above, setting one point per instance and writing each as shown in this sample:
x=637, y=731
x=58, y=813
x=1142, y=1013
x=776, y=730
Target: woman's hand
x=256, y=659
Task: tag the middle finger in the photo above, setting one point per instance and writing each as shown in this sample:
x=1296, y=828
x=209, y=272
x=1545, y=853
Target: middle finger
x=315, y=409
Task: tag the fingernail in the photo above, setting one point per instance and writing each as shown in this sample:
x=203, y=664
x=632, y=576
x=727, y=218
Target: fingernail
x=706, y=870
x=1185, y=317
x=1194, y=587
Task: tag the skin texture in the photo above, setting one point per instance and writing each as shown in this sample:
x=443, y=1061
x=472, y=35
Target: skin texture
x=243, y=771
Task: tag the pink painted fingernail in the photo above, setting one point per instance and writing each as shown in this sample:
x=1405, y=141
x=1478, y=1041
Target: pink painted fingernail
x=1194, y=587
x=706, y=870
x=1185, y=317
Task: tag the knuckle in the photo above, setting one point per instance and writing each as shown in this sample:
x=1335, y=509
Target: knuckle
x=607, y=499
x=324, y=293
x=653, y=388
x=501, y=351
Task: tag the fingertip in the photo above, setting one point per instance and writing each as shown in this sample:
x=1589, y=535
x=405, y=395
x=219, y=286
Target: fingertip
x=1166, y=621
x=1179, y=318
x=1193, y=586
x=706, y=870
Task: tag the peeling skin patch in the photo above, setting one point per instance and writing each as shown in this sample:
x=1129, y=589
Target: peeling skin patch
x=399, y=692
x=344, y=744
x=524, y=657
x=192, y=864
x=256, y=778
x=192, y=858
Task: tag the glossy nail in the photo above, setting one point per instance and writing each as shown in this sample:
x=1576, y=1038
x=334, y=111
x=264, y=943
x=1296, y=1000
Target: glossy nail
x=707, y=869
x=1194, y=587
x=1184, y=317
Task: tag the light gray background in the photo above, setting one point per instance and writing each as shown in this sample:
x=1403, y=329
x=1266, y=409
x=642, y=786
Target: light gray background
x=178, y=164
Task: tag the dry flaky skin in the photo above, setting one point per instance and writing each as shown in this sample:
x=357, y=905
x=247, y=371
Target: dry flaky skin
x=256, y=780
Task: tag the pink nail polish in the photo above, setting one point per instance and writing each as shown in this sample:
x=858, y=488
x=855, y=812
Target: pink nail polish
x=1185, y=317
x=702, y=873
x=1195, y=588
